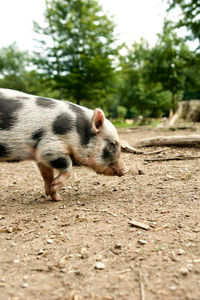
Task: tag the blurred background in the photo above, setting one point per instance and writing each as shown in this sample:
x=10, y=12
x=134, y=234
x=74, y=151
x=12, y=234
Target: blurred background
x=134, y=59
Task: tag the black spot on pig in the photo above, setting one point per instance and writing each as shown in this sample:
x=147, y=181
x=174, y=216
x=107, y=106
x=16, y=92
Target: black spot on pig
x=37, y=136
x=62, y=124
x=8, y=110
x=110, y=152
x=83, y=125
x=59, y=163
x=45, y=102
x=4, y=150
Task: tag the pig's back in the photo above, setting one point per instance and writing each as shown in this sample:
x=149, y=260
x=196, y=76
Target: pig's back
x=26, y=119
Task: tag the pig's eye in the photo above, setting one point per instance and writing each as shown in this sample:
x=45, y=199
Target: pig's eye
x=112, y=144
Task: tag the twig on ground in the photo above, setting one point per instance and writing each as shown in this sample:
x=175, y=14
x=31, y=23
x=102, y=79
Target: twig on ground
x=139, y=225
x=171, y=158
x=109, y=212
x=141, y=286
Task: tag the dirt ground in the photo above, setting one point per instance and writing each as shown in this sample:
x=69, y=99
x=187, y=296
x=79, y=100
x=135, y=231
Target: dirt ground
x=84, y=246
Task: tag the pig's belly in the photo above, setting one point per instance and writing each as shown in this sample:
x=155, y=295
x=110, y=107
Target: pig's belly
x=13, y=148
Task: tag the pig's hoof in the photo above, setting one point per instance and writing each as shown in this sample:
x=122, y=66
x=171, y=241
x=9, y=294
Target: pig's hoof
x=55, y=197
x=56, y=187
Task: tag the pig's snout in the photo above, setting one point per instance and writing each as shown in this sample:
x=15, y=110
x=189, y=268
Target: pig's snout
x=119, y=169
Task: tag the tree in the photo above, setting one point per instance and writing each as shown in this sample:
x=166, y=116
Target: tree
x=12, y=66
x=169, y=62
x=191, y=15
x=78, y=49
x=154, y=79
x=17, y=73
x=138, y=92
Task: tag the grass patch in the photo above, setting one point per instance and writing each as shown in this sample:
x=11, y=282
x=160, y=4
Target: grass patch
x=146, y=122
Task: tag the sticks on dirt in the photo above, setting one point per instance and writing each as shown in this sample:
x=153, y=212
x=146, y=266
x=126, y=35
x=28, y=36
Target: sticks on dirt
x=139, y=225
x=171, y=158
x=177, y=140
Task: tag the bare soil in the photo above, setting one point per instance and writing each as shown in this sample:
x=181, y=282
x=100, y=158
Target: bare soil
x=84, y=246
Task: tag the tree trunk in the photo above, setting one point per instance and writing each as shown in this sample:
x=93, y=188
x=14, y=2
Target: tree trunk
x=173, y=103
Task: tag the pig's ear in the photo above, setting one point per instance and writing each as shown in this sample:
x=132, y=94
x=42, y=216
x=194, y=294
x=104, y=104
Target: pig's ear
x=97, y=120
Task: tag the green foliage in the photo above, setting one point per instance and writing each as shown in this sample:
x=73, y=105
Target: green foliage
x=79, y=54
x=121, y=112
x=191, y=16
x=169, y=62
x=12, y=67
x=154, y=79
x=17, y=73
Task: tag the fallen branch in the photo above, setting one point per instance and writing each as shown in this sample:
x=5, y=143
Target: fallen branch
x=171, y=158
x=177, y=140
x=127, y=148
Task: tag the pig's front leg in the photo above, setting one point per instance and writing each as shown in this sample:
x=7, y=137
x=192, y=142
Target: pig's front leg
x=59, y=181
x=48, y=161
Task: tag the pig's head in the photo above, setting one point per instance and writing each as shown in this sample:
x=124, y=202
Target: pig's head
x=105, y=150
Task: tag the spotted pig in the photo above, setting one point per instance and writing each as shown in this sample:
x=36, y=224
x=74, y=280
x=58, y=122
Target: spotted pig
x=57, y=134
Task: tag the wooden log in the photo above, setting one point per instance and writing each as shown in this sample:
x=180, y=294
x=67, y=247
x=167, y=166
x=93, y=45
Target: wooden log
x=176, y=140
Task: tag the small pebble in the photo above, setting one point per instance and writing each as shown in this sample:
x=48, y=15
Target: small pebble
x=62, y=206
x=140, y=172
x=24, y=285
x=49, y=241
x=99, y=265
x=118, y=246
x=40, y=252
x=173, y=288
x=142, y=242
x=183, y=271
x=16, y=261
x=12, y=244
x=180, y=251
x=84, y=255
x=99, y=257
x=190, y=267
x=182, y=170
x=63, y=270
